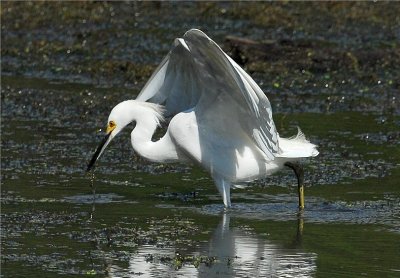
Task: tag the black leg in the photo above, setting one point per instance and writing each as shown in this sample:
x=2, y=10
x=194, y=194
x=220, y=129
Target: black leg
x=298, y=170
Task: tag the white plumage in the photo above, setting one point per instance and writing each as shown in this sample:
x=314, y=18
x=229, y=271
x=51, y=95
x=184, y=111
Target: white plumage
x=220, y=118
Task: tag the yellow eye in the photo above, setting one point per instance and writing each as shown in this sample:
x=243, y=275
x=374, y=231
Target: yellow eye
x=111, y=126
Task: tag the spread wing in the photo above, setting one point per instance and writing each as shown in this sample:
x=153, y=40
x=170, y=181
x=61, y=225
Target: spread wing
x=197, y=74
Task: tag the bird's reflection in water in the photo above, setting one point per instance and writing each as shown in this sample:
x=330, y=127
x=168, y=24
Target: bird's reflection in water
x=238, y=252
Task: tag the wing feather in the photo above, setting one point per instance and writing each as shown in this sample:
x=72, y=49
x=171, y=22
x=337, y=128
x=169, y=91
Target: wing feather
x=197, y=74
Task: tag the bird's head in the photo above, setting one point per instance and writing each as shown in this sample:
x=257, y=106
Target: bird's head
x=120, y=117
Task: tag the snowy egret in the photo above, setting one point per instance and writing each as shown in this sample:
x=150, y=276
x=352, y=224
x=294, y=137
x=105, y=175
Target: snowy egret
x=220, y=119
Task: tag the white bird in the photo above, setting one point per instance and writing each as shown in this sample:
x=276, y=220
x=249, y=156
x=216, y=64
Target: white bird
x=220, y=119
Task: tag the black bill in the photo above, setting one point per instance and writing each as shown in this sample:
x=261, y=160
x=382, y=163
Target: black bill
x=98, y=152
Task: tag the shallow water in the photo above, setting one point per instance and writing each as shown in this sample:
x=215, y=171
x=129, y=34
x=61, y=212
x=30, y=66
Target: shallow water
x=134, y=218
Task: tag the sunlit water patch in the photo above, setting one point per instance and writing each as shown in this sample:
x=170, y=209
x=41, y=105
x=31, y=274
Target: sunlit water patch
x=229, y=252
x=284, y=208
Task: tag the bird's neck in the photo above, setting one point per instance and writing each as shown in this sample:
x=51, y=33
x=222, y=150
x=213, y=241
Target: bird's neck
x=159, y=151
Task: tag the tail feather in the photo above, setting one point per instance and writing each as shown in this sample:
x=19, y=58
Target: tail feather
x=297, y=146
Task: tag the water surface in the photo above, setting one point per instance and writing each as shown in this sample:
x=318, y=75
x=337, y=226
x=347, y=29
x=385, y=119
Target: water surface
x=61, y=75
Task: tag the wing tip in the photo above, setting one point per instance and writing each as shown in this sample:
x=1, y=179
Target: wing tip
x=180, y=41
x=197, y=33
x=190, y=36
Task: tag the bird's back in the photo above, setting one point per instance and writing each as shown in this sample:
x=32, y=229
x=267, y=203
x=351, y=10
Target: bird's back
x=235, y=158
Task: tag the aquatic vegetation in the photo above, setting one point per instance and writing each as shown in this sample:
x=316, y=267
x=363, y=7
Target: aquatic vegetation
x=331, y=68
